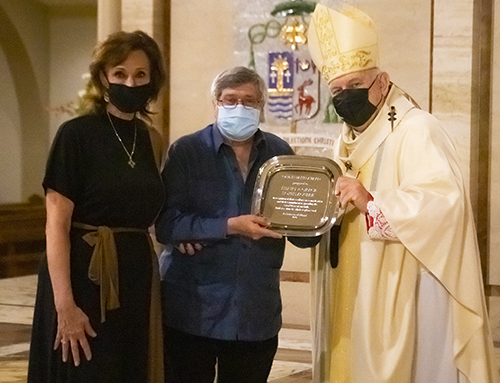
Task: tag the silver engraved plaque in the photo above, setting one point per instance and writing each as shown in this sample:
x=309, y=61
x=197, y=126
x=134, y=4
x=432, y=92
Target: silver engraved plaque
x=297, y=194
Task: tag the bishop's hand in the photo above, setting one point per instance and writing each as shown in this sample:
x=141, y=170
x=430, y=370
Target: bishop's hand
x=351, y=190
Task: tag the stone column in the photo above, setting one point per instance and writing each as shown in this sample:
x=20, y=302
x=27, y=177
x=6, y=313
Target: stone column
x=109, y=18
x=148, y=16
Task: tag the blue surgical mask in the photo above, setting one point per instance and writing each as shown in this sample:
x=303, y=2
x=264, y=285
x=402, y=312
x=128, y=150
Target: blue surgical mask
x=239, y=123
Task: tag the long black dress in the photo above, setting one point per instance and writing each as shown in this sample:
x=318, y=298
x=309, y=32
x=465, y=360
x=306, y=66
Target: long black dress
x=88, y=165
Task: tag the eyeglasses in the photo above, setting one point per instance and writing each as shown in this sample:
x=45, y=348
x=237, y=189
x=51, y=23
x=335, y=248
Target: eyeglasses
x=231, y=103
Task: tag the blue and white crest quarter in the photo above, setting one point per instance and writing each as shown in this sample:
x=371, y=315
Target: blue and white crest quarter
x=293, y=86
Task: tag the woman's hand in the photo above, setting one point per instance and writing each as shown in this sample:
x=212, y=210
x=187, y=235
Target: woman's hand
x=73, y=326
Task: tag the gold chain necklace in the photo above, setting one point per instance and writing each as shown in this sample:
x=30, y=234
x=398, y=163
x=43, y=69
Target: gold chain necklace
x=129, y=154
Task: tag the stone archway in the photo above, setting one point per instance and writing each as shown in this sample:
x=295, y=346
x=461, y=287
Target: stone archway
x=33, y=116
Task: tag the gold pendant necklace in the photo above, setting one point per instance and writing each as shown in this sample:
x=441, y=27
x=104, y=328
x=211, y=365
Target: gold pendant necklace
x=129, y=154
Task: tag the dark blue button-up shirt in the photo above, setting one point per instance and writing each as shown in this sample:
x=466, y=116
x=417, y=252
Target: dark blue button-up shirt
x=230, y=289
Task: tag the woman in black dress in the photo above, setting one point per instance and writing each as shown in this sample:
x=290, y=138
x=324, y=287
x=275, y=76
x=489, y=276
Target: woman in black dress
x=96, y=313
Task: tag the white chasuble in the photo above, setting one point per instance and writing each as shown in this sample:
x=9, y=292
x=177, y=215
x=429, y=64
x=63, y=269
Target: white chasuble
x=375, y=313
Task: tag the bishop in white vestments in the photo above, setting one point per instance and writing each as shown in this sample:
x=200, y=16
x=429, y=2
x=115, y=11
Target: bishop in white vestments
x=405, y=303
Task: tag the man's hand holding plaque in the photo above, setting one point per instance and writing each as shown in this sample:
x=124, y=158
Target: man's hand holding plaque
x=251, y=226
x=296, y=195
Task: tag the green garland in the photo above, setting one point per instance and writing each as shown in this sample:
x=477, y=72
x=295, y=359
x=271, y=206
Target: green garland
x=258, y=33
x=294, y=8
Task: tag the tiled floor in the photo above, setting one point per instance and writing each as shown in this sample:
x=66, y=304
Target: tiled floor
x=17, y=295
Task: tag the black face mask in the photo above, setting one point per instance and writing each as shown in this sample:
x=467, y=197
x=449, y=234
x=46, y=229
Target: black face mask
x=353, y=106
x=129, y=99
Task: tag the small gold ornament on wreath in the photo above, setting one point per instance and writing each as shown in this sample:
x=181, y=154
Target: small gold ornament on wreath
x=293, y=30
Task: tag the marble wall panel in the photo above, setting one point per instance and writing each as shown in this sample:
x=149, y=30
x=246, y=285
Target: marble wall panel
x=452, y=72
x=201, y=47
x=494, y=229
x=494, y=313
x=296, y=297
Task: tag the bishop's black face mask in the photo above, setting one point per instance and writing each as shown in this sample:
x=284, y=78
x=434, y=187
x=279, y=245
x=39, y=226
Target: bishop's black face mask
x=353, y=105
x=129, y=99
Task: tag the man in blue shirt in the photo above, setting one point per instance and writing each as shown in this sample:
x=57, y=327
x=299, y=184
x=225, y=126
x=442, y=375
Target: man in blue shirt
x=222, y=301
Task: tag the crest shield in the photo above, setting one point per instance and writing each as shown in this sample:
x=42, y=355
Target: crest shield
x=293, y=86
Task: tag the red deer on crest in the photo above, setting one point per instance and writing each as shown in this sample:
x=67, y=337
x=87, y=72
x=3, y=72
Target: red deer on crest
x=304, y=99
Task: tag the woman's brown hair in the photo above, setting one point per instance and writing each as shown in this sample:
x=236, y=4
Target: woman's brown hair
x=114, y=50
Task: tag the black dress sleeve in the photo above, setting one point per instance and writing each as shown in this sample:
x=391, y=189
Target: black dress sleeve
x=64, y=163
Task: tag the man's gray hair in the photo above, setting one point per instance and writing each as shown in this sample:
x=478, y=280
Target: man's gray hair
x=235, y=77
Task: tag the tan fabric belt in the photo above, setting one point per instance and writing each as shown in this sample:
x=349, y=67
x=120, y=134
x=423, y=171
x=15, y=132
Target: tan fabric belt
x=103, y=268
x=103, y=271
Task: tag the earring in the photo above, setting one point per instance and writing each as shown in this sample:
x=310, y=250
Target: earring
x=106, y=96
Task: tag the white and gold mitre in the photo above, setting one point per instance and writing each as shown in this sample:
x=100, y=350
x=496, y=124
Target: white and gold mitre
x=343, y=41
